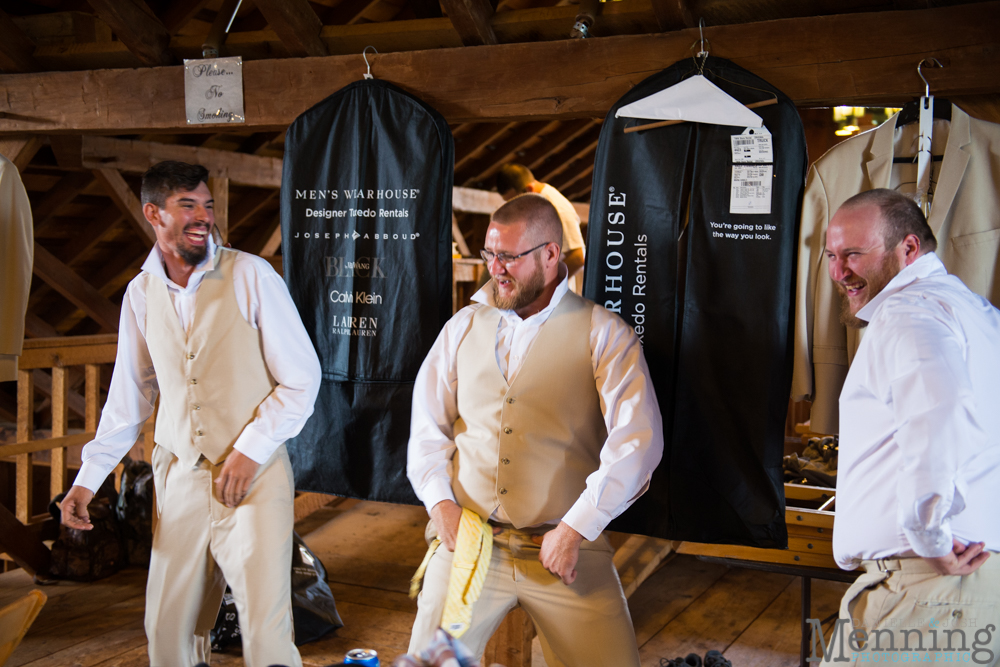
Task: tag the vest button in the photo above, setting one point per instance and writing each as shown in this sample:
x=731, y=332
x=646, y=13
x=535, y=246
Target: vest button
x=503, y=492
x=199, y=432
x=510, y=400
x=508, y=430
x=505, y=461
x=193, y=381
x=190, y=356
x=197, y=407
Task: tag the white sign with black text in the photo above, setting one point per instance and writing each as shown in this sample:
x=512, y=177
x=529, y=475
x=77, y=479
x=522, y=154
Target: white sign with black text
x=213, y=91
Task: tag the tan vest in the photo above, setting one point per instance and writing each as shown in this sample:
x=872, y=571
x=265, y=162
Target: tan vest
x=530, y=446
x=212, y=379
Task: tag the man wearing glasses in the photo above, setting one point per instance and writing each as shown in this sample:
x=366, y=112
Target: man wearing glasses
x=534, y=409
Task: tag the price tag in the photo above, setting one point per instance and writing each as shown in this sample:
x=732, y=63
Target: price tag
x=213, y=90
x=751, y=189
x=754, y=145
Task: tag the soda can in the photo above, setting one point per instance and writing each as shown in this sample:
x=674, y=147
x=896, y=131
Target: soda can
x=362, y=656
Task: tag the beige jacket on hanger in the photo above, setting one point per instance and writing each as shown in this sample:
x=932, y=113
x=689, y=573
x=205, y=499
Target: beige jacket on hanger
x=16, y=257
x=965, y=218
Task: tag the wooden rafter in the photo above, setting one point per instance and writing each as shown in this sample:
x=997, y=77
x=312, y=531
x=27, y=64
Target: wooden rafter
x=471, y=19
x=262, y=239
x=123, y=197
x=77, y=290
x=580, y=169
x=16, y=49
x=296, y=24
x=138, y=156
x=219, y=186
x=89, y=235
x=138, y=28
x=673, y=14
x=348, y=12
x=20, y=149
x=248, y=206
x=179, y=12
x=477, y=140
x=860, y=66
x=559, y=162
x=62, y=193
x=504, y=151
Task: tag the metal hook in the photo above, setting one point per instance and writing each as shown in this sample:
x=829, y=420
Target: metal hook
x=701, y=38
x=703, y=46
x=932, y=62
x=364, y=54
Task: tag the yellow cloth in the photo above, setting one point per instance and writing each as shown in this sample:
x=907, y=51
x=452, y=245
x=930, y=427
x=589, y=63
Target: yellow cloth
x=470, y=563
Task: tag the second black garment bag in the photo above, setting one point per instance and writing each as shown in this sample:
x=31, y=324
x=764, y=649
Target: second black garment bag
x=692, y=240
x=366, y=241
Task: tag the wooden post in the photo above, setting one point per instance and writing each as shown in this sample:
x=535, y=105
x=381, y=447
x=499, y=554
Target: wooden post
x=219, y=185
x=25, y=432
x=92, y=393
x=60, y=417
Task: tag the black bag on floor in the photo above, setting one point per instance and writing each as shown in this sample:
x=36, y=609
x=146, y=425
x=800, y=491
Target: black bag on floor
x=88, y=555
x=314, y=612
x=134, y=510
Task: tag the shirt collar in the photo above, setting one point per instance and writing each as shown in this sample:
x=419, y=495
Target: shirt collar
x=485, y=296
x=154, y=263
x=926, y=266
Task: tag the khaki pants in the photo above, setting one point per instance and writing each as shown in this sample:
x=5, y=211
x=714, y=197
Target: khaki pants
x=911, y=614
x=584, y=624
x=200, y=545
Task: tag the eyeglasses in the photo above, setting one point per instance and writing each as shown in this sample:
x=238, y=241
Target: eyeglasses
x=505, y=258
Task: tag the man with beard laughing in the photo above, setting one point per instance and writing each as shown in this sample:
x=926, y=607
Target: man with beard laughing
x=214, y=332
x=919, y=462
x=534, y=410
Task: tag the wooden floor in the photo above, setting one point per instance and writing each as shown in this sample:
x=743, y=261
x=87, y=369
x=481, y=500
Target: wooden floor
x=370, y=551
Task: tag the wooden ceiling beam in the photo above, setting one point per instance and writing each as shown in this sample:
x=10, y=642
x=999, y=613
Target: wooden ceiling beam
x=138, y=156
x=471, y=19
x=348, y=12
x=570, y=178
x=296, y=24
x=81, y=293
x=865, y=58
x=138, y=28
x=89, y=235
x=263, y=237
x=16, y=49
x=126, y=200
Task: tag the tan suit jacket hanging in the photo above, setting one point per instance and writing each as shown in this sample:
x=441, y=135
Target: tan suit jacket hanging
x=17, y=251
x=965, y=218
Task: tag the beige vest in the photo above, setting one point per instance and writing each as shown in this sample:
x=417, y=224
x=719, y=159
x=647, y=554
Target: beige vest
x=212, y=379
x=530, y=446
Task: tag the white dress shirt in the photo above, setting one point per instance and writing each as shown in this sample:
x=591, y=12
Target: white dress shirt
x=265, y=303
x=631, y=414
x=919, y=457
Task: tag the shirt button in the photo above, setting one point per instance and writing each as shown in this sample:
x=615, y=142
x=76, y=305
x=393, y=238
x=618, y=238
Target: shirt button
x=505, y=461
x=193, y=381
x=510, y=400
x=503, y=492
x=508, y=430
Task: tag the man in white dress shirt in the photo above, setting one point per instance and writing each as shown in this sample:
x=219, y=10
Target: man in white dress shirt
x=919, y=462
x=215, y=333
x=534, y=408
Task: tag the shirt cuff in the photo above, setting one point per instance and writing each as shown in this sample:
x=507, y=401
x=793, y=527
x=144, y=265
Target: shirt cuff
x=586, y=519
x=930, y=543
x=91, y=476
x=435, y=491
x=255, y=446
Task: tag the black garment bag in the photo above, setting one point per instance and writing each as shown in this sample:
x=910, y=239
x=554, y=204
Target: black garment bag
x=710, y=292
x=366, y=245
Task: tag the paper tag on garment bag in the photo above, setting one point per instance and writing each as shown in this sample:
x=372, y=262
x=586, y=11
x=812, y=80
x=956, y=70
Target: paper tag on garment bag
x=754, y=145
x=751, y=189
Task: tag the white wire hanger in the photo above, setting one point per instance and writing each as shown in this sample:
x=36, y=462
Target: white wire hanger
x=364, y=54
